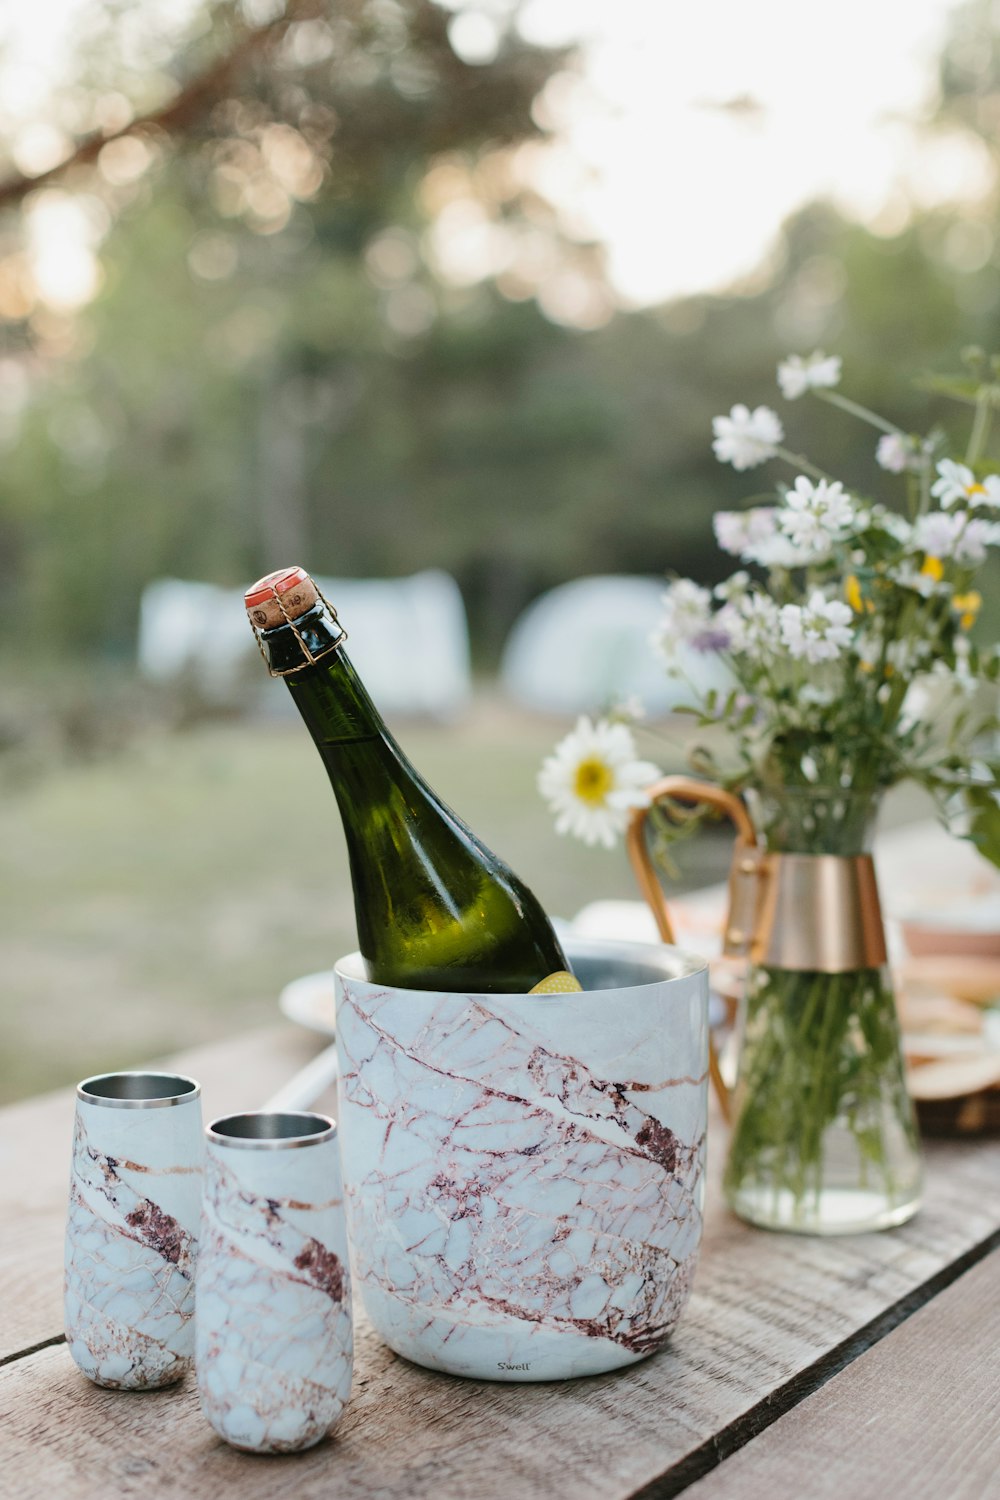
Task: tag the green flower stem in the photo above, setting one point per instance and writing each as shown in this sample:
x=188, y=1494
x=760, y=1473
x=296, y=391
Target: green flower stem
x=925, y=487
x=820, y=1052
x=856, y=410
x=801, y=463
x=980, y=428
x=913, y=492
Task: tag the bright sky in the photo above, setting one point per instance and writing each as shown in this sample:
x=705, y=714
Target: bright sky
x=686, y=195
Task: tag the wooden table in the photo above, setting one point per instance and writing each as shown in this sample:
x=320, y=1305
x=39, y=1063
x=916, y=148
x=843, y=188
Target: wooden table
x=856, y=1367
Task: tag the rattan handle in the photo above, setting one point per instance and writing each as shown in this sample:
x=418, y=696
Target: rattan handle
x=681, y=789
x=697, y=793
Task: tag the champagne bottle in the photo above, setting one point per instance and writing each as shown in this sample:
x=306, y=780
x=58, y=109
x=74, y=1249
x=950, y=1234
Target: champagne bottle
x=435, y=908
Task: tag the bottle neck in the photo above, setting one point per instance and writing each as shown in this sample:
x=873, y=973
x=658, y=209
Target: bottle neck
x=304, y=642
x=378, y=790
x=334, y=702
x=327, y=691
x=361, y=756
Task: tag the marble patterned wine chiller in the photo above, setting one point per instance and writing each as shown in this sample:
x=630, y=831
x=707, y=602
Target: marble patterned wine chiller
x=524, y=1174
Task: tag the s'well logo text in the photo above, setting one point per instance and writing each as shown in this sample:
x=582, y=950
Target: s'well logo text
x=502, y=1366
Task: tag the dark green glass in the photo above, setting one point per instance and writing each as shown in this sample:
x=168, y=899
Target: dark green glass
x=435, y=908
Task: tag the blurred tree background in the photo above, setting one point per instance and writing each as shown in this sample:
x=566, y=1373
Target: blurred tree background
x=288, y=356
x=279, y=282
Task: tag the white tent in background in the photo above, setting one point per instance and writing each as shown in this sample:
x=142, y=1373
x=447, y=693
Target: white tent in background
x=586, y=645
x=408, y=638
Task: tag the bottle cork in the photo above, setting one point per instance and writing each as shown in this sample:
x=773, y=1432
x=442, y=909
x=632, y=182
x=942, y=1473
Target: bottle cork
x=291, y=586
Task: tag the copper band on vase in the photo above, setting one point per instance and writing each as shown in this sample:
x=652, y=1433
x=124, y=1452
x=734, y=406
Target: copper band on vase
x=817, y=912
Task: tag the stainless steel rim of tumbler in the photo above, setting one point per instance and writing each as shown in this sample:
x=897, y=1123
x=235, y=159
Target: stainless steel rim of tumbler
x=138, y=1090
x=271, y=1130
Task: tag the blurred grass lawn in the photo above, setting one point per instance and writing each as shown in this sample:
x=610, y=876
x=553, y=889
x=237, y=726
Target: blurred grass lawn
x=162, y=897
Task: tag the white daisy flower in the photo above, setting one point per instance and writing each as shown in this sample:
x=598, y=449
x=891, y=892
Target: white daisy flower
x=730, y=527
x=989, y=494
x=746, y=438
x=925, y=584
x=733, y=587
x=753, y=536
x=779, y=551
x=937, y=532
x=752, y=621
x=971, y=546
x=817, y=630
x=897, y=526
x=953, y=483
x=687, y=609
x=688, y=621
x=891, y=453
x=593, y=779
x=630, y=709
x=952, y=535
x=739, y=531
x=814, y=515
x=956, y=484
x=898, y=453
x=797, y=375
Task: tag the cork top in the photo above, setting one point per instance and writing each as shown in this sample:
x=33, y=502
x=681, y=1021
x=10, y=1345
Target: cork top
x=280, y=596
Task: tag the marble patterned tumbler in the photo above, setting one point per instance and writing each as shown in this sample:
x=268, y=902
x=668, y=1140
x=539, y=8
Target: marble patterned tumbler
x=131, y=1234
x=524, y=1174
x=273, y=1342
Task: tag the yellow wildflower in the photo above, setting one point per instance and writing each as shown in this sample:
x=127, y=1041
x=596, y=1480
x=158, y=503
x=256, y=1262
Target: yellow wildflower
x=967, y=607
x=933, y=568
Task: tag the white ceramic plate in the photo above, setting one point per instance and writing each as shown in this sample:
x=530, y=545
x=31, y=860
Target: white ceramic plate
x=311, y=1001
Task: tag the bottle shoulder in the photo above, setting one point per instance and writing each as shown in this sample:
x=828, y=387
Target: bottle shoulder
x=436, y=906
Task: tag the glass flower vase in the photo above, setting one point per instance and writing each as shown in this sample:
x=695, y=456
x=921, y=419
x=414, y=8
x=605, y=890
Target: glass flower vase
x=824, y=1137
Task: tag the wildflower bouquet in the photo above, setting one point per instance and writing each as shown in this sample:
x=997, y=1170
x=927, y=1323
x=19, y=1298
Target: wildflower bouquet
x=857, y=602
x=845, y=637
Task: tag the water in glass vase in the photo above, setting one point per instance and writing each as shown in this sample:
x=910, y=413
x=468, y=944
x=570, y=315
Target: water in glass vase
x=824, y=1136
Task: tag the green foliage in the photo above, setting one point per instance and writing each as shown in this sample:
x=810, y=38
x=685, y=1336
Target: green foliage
x=984, y=819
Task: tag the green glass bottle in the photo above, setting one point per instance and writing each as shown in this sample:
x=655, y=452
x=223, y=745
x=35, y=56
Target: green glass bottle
x=435, y=908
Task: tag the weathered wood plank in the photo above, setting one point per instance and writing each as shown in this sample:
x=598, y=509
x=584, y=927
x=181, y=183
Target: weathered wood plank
x=35, y=1141
x=407, y=1432
x=770, y=1315
x=917, y=1415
